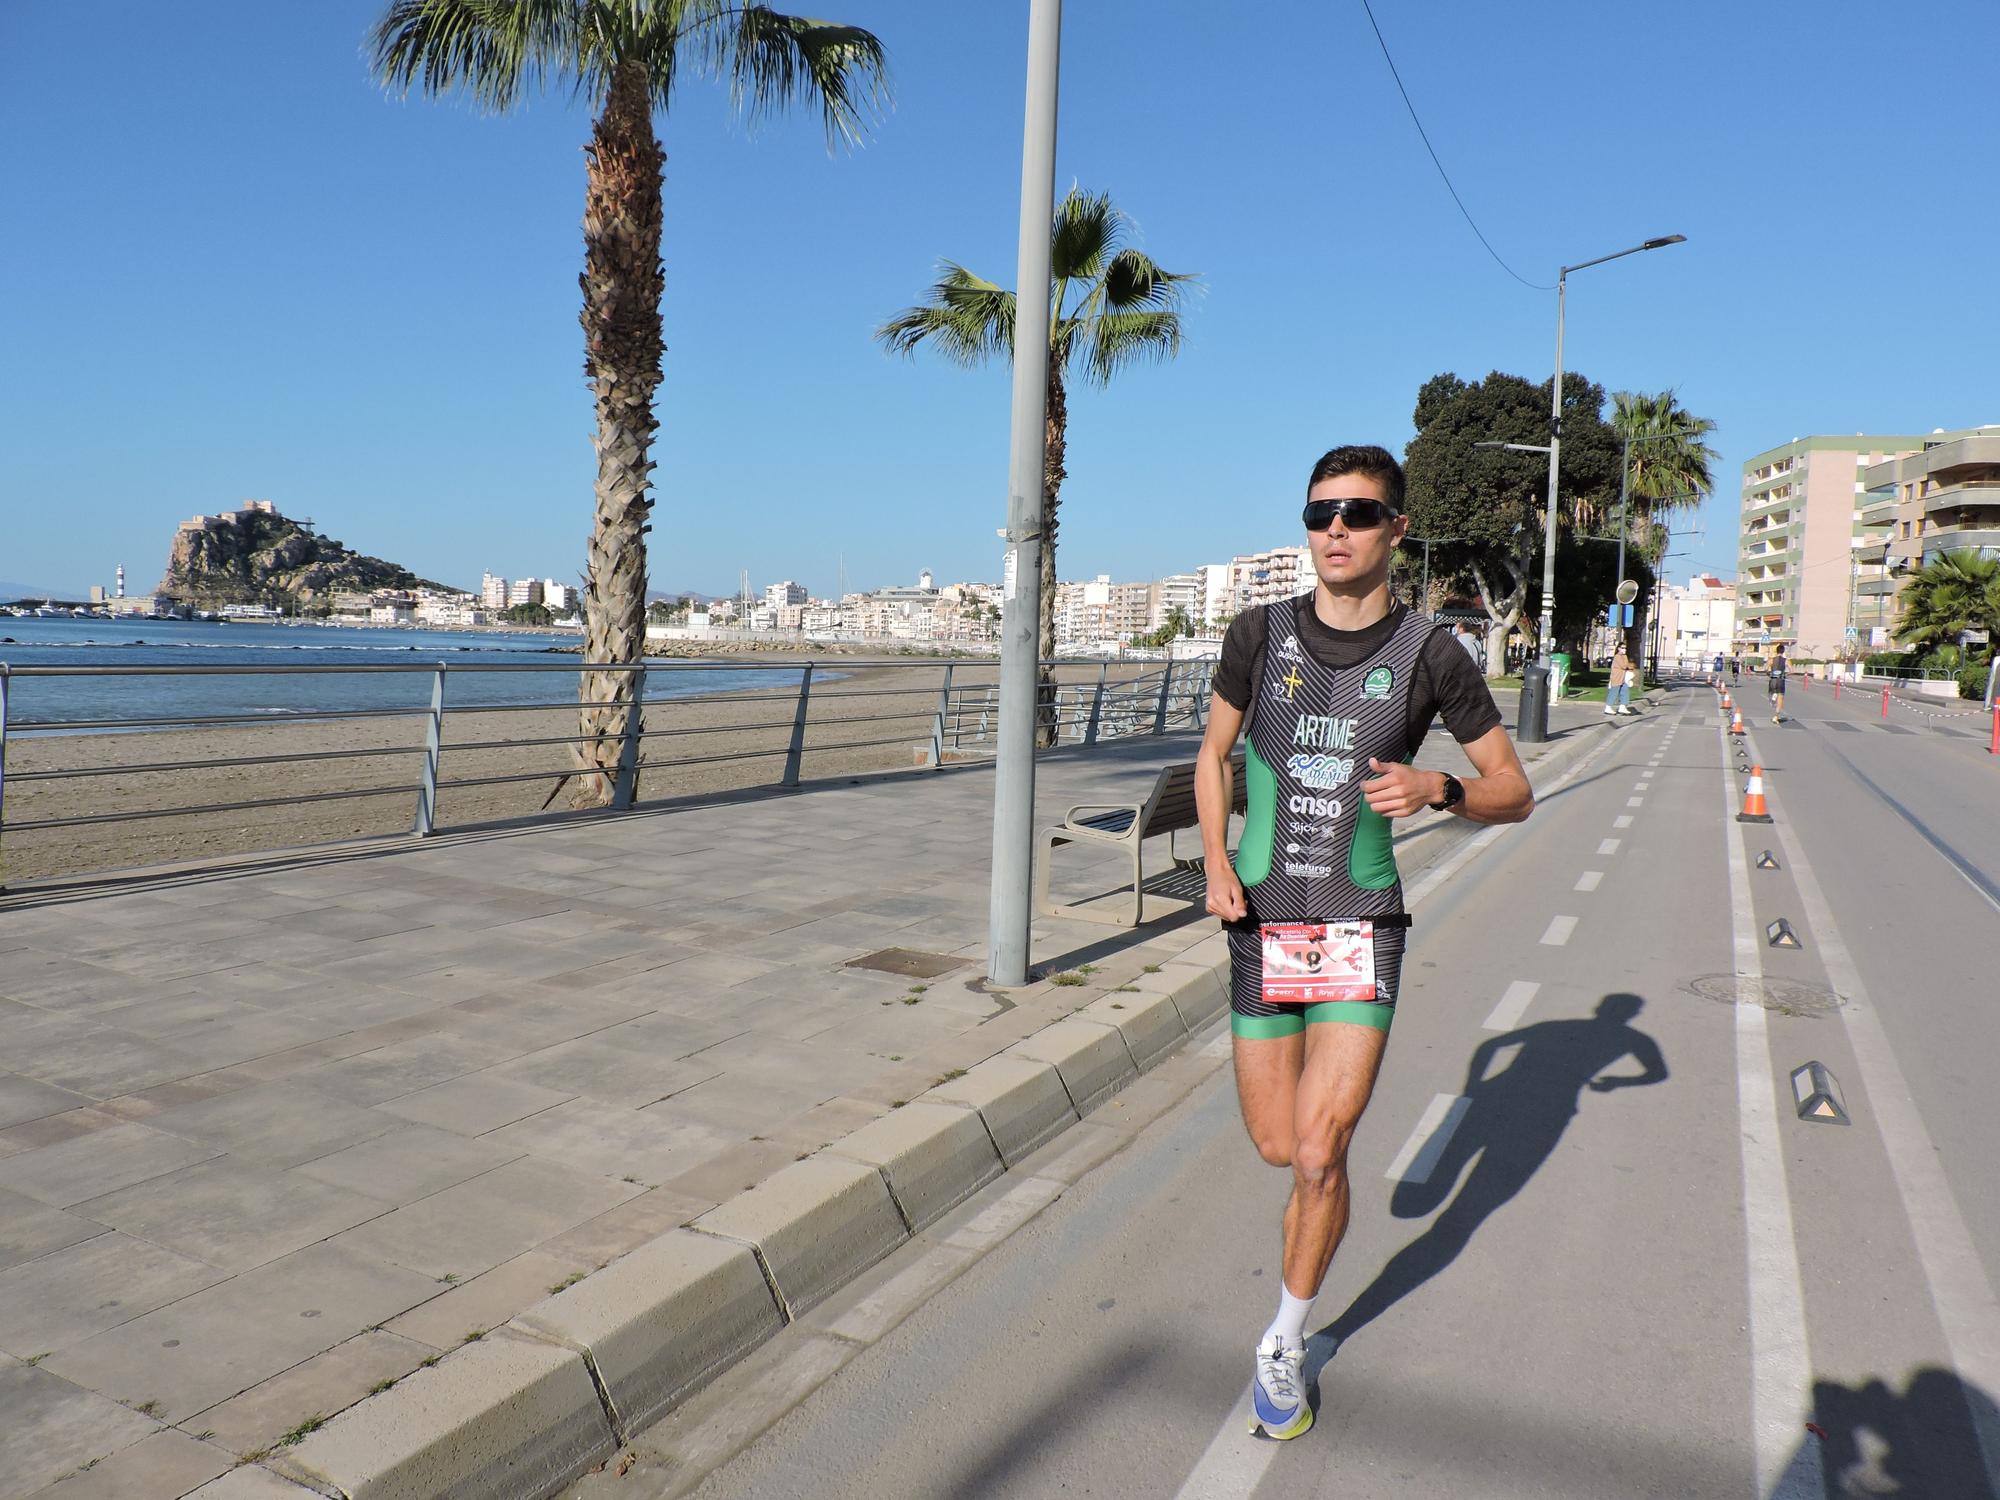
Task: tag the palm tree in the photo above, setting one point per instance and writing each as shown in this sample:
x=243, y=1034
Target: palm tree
x=625, y=56
x=1954, y=592
x=1672, y=465
x=1110, y=306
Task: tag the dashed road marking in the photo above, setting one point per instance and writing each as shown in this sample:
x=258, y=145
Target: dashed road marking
x=1559, y=930
x=1507, y=1014
x=1589, y=880
x=1608, y=846
x=1635, y=801
x=1623, y=820
x=1419, y=1156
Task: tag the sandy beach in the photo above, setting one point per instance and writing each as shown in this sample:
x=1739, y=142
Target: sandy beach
x=868, y=718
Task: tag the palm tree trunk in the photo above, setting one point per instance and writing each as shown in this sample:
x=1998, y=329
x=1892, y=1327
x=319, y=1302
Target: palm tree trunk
x=1055, y=428
x=622, y=283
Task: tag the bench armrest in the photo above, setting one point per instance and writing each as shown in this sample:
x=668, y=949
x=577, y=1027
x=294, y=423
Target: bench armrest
x=1134, y=808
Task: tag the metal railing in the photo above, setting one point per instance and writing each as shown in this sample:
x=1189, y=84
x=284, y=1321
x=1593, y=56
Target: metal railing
x=952, y=717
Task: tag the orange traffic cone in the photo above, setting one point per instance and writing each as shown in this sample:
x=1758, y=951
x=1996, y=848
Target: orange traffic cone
x=1736, y=722
x=1725, y=697
x=1753, y=799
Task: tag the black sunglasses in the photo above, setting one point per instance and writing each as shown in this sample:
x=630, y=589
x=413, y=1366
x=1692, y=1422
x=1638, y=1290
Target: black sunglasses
x=1357, y=513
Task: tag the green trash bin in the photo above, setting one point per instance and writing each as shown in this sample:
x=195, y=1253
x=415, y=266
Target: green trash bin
x=1559, y=664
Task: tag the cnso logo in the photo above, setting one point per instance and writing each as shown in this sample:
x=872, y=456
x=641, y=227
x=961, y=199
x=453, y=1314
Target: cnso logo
x=1314, y=807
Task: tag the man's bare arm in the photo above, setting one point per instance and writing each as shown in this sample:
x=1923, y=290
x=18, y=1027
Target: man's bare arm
x=1213, y=788
x=1498, y=794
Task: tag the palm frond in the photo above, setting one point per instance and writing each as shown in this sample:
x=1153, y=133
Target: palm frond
x=1135, y=280
x=493, y=50
x=774, y=60
x=967, y=318
x=1088, y=230
x=1115, y=341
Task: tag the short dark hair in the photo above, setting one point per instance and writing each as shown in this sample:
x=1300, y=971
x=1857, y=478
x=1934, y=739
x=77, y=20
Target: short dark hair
x=1378, y=464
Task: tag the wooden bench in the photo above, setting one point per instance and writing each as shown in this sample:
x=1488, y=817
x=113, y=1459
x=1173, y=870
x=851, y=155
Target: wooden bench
x=1169, y=808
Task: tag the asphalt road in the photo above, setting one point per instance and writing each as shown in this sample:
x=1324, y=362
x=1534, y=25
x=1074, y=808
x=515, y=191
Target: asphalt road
x=1594, y=1251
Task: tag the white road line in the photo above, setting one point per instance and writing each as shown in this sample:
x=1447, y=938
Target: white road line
x=1608, y=846
x=1644, y=783
x=1507, y=1014
x=1635, y=801
x=1780, y=1354
x=1588, y=880
x=1961, y=1291
x=1623, y=820
x=1419, y=1156
x=1559, y=930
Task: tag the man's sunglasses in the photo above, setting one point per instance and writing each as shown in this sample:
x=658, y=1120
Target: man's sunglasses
x=1356, y=513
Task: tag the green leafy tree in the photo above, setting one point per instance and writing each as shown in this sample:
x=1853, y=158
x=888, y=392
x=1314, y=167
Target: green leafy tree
x=1954, y=592
x=625, y=56
x=528, y=614
x=1110, y=307
x=1493, y=500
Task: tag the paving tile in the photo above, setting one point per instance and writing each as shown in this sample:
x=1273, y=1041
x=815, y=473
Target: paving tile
x=110, y=1062
x=493, y=1217
x=48, y=1427
x=31, y=1099
x=161, y=1016
x=98, y=1163
x=475, y=1103
x=605, y=1071
x=29, y=1229
x=63, y=1299
x=325, y=1384
x=275, y=1124
x=162, y=1467
x=603, y=1239
x=221, y=1044
x=146, y=1103
x=206, y=1348
x=732, y=1103
x=232, y=1213
x=410, y=1162
x=404, y=1067
x=613, y=1141
x=488, y=1300
x=52, y=1130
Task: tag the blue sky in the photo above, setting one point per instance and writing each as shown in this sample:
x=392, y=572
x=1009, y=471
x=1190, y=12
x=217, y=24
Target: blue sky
x=235, y=269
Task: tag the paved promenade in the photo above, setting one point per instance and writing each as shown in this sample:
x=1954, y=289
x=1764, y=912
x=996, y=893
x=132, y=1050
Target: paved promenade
x=274, y=1136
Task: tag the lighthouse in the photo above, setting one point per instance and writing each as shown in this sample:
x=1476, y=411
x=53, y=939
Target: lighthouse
x=121, y=581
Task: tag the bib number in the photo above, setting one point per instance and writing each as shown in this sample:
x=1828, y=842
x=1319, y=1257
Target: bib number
x=1310, y=963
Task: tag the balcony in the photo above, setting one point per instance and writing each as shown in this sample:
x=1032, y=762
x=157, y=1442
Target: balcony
x=1983, y=494
x=1983, y=539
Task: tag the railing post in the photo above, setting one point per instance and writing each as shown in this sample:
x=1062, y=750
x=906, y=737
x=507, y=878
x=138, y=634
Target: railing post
x=3, y=777
x=1166, y=688
x=625, y=786
x=937, y=724
x=798, y=747
x=433, y=748
x=1096, y=704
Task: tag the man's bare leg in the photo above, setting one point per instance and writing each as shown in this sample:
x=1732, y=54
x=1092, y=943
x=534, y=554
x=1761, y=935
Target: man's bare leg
x=1338, y=1078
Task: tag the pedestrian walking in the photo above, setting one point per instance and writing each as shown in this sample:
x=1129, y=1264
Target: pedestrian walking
x=1338, y=689
x=1618, y=695
x=1474, y=647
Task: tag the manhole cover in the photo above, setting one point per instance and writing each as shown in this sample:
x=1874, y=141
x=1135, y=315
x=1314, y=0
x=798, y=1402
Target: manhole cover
x=908, y=961
x=1788, y=997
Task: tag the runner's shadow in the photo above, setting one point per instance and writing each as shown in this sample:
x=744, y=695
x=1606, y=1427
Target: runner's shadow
x=1926, y=1441
x=1513, y=1120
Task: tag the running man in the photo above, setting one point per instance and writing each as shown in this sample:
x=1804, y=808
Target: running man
x=1338, y=688
x=1776, y=685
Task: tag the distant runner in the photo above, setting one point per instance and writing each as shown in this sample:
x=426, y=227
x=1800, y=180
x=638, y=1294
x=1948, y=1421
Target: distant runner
x=1339, y=688
x=1776, y=685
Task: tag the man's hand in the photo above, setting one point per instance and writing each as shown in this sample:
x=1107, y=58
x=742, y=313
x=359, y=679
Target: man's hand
x=1225, y=893
x=1399, y=790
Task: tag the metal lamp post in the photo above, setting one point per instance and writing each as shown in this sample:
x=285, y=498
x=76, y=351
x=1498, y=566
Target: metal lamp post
x=1020, y=621
x=1428, y=541
x=1535, y=681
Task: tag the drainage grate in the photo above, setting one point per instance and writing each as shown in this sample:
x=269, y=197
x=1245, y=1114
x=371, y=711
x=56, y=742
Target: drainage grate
x=909, y=962
x=1788, y=997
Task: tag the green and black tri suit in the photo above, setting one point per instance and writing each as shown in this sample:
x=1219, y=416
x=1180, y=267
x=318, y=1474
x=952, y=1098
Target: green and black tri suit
x=1321, y=703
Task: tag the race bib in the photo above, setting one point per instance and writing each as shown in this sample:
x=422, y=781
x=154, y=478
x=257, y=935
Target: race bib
x=1309, y=963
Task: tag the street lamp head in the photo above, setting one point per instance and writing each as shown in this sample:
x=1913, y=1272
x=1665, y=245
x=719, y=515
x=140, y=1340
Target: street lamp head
x=1665, y=239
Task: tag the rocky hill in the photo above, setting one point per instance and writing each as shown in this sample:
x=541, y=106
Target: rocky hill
x=257, y=556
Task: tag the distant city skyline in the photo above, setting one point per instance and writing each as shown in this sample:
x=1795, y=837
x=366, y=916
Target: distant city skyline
x=365, y=308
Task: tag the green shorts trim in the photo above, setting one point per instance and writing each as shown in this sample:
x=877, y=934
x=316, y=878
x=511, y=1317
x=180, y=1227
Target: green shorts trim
x=1297, y=1018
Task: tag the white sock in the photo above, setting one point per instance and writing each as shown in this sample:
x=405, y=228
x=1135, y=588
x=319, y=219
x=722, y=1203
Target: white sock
x=1290, y=1324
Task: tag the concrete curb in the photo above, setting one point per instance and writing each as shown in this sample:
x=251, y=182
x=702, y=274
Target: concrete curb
x=525, y=1410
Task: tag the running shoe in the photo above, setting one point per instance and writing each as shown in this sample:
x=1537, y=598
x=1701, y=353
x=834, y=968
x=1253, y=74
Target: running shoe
x=1278, y=1405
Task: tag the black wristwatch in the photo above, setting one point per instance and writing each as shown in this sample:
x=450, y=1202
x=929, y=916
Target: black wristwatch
x=1454, y=793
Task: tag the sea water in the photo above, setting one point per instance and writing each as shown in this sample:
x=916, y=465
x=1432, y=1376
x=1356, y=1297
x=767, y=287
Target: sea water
x=37, y=642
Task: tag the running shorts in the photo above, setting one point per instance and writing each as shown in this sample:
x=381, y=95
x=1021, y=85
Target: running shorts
x=1250, y=1016
x=1776, y=686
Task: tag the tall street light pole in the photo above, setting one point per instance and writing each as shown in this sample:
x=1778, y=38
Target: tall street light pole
x=1535, y=682
x=1020, y=619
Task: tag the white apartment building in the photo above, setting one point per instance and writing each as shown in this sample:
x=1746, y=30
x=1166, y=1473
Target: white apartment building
x=493, y=591
x=1218, y=593
x=1182, y=591
x=524, y=591
x=781, y=595
x=559, y=597
x=1698, y=621
x=1101, y=610
x=1266, y=577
